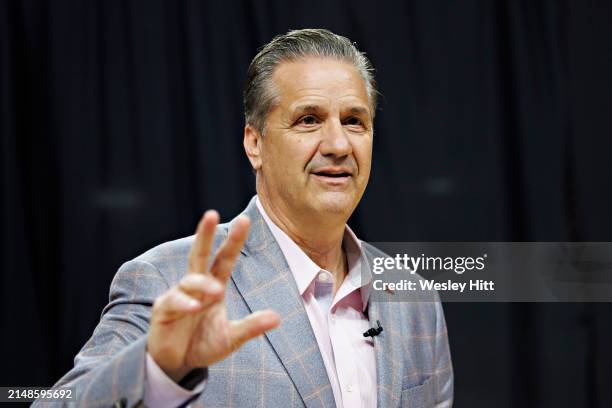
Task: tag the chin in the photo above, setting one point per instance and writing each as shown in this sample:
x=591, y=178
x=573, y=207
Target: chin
x=337, y=203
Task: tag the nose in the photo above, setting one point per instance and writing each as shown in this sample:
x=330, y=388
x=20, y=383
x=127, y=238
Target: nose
x=334, y=140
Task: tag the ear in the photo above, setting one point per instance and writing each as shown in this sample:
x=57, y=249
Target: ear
x=252, y=146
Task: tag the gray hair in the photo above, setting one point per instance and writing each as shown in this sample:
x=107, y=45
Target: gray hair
x=259, y=96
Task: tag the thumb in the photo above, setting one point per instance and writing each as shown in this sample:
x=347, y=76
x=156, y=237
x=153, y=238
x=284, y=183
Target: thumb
x=253, y=325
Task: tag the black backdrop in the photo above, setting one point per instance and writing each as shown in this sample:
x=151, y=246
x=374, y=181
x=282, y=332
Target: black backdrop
x=122, y=121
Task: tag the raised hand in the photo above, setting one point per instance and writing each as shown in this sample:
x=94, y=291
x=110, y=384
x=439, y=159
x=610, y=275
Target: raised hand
x=189, y=326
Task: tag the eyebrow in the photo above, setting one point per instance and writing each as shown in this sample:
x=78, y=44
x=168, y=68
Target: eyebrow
x=311, y=108
x=359, y=110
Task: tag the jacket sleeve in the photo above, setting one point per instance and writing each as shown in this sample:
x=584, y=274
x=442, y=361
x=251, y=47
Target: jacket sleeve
x=110, y=368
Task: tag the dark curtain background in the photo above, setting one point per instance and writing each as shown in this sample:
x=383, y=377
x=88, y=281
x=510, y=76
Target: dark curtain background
x=121, y=122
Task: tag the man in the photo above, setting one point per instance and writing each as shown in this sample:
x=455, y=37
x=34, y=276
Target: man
x=177, y=327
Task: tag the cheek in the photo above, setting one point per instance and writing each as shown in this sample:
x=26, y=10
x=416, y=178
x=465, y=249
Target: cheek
x=362, y=151
x=300, y=150
x=290, y=154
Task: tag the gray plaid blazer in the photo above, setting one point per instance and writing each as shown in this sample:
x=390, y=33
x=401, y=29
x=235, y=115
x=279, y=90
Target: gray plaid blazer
x=282, y=369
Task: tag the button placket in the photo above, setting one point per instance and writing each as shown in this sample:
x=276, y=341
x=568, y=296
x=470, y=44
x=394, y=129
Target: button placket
x=344, y=359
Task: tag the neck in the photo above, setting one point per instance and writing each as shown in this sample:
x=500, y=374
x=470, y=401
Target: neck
x=320, y=239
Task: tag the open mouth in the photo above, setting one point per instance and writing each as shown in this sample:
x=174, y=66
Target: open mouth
x=332, y=174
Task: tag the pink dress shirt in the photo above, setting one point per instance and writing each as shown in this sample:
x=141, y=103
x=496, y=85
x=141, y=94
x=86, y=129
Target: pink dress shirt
x=338, y=323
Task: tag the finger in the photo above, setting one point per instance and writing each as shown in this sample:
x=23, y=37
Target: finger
x=173, y=305
x=204, y=237
x=252, y=326
x=201, y=287
x=228, y=253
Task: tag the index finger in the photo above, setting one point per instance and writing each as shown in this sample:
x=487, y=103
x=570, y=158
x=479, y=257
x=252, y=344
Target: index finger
x=202, y=245
x=230, y=249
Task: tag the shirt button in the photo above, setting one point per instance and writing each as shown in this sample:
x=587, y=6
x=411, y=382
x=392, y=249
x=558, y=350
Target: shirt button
x=349, y=388
x=323, y=277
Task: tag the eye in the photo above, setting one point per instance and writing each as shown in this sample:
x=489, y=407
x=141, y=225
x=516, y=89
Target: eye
x=307, y=120
x=353, y=121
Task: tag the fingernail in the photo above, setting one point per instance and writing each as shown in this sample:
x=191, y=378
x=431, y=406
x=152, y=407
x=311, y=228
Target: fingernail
x=193, y=303
x=210, y=213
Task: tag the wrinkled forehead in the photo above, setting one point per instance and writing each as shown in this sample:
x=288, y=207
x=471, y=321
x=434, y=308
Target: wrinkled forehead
x=319, y=80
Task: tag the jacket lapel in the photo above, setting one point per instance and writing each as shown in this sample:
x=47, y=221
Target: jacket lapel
x=387, y=345
x=264, y=280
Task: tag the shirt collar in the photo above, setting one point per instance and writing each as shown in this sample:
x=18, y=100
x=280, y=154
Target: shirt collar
x=304, y=270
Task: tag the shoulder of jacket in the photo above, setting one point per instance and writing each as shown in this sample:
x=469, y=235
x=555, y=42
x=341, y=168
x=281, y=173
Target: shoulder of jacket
x=178, y=248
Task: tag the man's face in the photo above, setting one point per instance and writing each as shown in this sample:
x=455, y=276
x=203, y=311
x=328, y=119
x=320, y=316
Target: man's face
x=316, y=150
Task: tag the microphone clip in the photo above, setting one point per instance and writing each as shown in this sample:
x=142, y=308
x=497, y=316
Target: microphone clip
x=374, y=331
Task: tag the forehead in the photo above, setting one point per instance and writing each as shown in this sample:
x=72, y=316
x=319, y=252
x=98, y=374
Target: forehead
x=327, y=80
